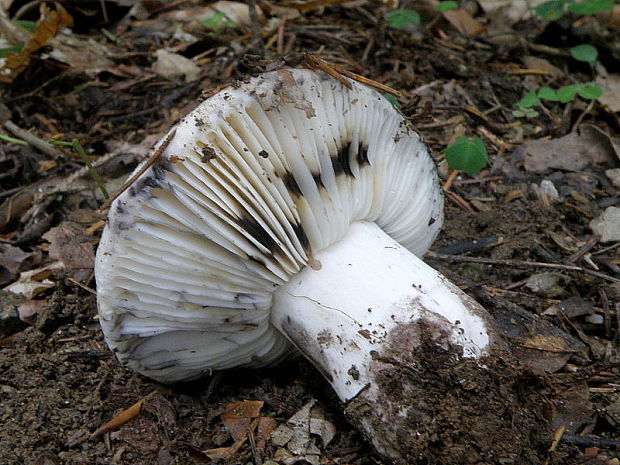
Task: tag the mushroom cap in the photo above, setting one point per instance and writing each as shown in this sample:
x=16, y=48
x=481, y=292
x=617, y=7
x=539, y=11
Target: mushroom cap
x=254, y=181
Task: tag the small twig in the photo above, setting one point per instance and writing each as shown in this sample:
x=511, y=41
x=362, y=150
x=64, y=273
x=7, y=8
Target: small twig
x=548, y=50
x=33, y=140
x=281, y=29
x=590, y=441
x=557, y=437
x=522, y=263
x=104, y=11
x=83, y=286
x=583, y=114
x=150, y=162
x=458, y=200
x=10, y=192
x=252, y=440
x=606, y=310
x=591, y=242
x=337, y=72
x=463, y=182
x=448, y=184
x=26, y=8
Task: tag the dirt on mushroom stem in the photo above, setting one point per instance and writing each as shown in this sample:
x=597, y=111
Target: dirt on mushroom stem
x=444, y=408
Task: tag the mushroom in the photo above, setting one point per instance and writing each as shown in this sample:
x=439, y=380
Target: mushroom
x=287, y=211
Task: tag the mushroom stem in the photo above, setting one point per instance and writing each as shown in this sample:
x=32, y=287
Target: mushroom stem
x=364, y=302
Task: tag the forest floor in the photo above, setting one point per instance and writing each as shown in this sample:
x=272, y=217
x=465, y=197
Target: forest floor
x=533, y=236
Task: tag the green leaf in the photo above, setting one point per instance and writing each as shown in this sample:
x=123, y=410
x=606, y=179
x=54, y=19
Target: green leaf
x=529, y=100
x=467, y=155
x=589, y=7
x=584, y=52
x=28, y=25
x=567, y=93
x=390, y=98
x=590, y=91
x=525, y=113
x=442, y=7
x=399, y=19
x=15, y=49
x=546, y=93
x=218, y=22
x=551, y=10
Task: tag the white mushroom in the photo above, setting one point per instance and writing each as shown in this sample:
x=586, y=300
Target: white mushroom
x=288, y=210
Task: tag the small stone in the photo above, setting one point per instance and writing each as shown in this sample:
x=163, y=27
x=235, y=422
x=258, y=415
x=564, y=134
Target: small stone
x=614, y=176
x=547, y=187
x=607, y=225
x=547, y=284
x=594, y=319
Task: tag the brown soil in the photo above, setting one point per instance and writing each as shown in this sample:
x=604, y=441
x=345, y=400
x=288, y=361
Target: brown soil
x=59, y=382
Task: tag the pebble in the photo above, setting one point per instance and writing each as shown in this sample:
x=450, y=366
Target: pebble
x=594, y=319
x=614, y=176
x=548, y=284
x=607, y=225
x=547, y=187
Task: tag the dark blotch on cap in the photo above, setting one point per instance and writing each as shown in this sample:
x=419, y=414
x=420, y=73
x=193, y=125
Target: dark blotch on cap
x=301, y=235
x=122, y=225
x=362, y=155
x=258, y=260
x=142, y=185
x=291, y=184
x=259, y=233
x=150, y=180
x=120, y=208
x=317, y=180
x=341, y=162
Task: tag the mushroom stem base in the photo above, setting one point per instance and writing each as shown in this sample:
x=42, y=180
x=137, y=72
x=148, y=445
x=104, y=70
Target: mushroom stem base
x=366, y=301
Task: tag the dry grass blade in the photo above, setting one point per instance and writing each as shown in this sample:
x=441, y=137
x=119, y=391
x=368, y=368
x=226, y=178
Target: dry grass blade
x=337, y=72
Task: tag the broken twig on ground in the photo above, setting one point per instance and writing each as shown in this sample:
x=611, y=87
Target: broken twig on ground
x=522, y=263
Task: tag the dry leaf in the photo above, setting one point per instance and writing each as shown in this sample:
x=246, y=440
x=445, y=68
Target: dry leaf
x=464, y=22
x=572, y=152
x=611, y=91
x=48, y=26
x=237, y=12
x=546, y=343
x=122, y=418
x=296, y=436
x=84, y=55
x=573, y=407
x=31, y=283
x=240, y=419
x=238, y=416
x=172, y=66
x=72, y=246
x=11, y=261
